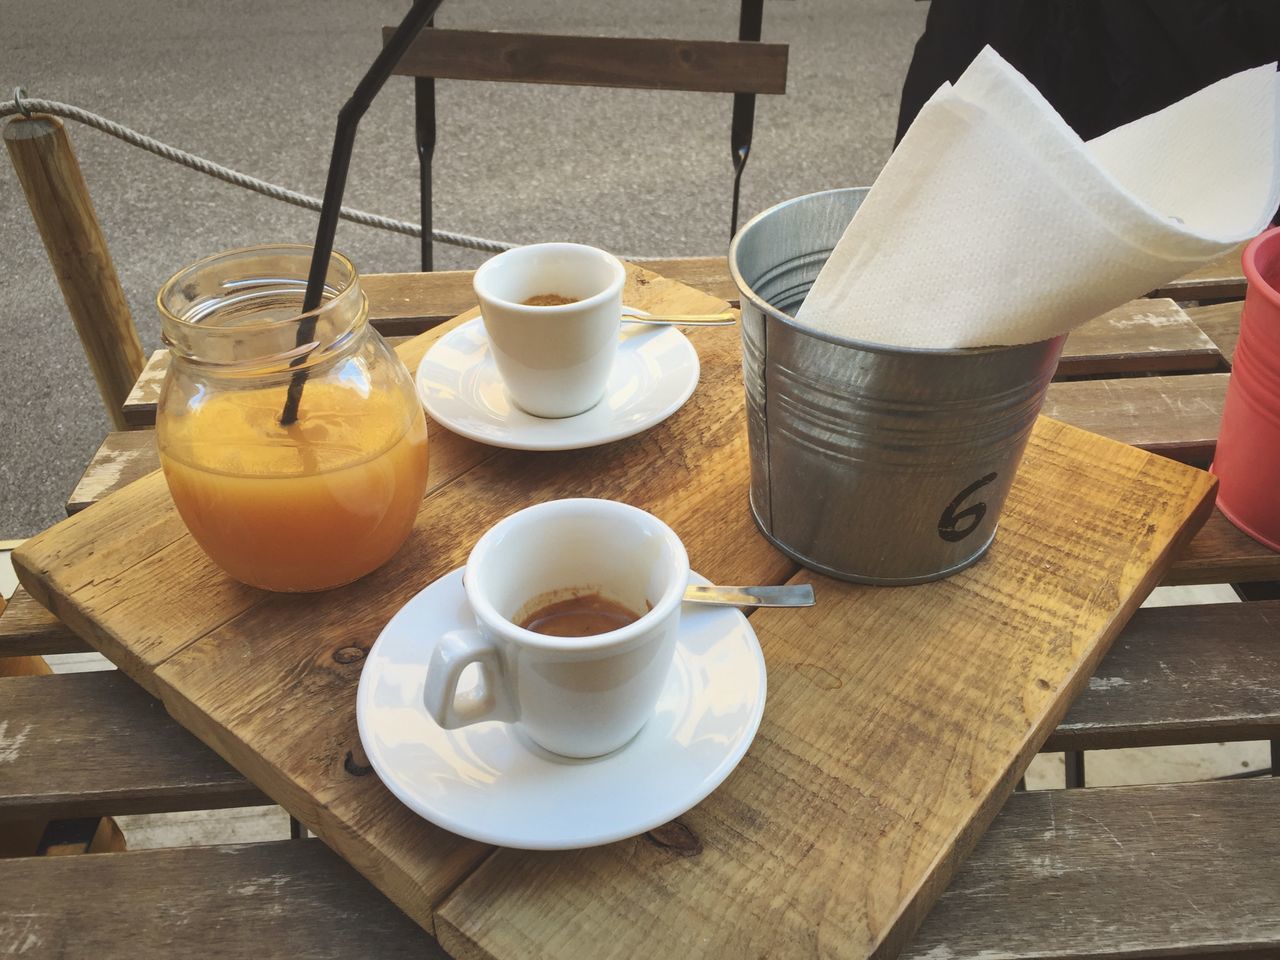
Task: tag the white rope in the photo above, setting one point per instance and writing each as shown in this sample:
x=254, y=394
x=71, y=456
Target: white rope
x=21, y=104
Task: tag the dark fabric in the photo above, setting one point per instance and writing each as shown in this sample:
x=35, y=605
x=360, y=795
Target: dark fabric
x=1101, y=63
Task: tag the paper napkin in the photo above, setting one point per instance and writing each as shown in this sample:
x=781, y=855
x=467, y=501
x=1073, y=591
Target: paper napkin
x=994, y=223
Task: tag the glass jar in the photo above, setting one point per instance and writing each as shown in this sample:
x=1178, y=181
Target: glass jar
x=292, y=506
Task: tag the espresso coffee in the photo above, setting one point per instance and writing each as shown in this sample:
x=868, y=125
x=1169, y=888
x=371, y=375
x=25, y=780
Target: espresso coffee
x=582, y=616
x=549, y=300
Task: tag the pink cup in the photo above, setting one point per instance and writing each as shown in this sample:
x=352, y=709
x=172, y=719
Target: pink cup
x=1247, y=462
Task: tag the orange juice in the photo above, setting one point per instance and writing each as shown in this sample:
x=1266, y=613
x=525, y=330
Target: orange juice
x=306, y=507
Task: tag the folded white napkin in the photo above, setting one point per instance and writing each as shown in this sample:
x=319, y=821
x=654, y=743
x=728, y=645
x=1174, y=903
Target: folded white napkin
x=994, y=223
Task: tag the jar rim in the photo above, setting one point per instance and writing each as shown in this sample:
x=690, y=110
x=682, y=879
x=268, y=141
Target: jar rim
x=335, y=256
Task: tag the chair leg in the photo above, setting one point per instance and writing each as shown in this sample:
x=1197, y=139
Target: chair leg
x=424, y=103
x=750, y=24
x=1075, y=768
x=741, y=150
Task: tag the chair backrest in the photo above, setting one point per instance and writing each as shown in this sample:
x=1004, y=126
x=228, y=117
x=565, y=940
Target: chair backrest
x=636, y=63
x=745, y=68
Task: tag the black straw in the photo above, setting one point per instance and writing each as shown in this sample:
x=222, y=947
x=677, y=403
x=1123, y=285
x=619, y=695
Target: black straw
x=343, y=140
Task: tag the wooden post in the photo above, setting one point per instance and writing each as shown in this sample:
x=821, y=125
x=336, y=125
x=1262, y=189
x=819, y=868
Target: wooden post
x=60, y=204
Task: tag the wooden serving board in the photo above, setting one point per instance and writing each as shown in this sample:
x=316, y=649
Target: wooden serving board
x=898, y=718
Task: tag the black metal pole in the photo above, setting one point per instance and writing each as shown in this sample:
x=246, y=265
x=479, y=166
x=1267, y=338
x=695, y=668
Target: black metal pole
x=424, y=108
x=344, y=139
x=1075, y=769
x=750, y=24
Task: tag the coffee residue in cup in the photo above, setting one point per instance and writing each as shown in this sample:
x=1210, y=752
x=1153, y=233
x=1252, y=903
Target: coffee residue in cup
x=549, y=300
x=584, y=615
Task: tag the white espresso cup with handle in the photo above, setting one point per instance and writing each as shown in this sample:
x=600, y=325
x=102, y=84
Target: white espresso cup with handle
x=575, y=696
x=554, y=360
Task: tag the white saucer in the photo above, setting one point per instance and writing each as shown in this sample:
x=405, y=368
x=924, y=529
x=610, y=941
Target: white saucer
x=654, y=374
x=489, y=782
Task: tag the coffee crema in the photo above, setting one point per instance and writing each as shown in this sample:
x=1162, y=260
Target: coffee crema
x=549, y=300
x=585, y=615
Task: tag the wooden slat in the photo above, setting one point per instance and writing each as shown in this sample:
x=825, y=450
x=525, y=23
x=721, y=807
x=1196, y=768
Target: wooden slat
x=710, y=66
x=286, y=900
x=1220, y=553
x=123, y=457
x=1135, y=871
x=406, y=304
x=708, y=274
x=1196, y=674
x=1218, y=280
x=1177, y=417
x=1221, y=322
x=1174, y=416
x=1179, y=869
x=29, y=630
x=140, y=406
x=1174, y=675
x=411, y=303
x=1142, y=336
x=85, y=744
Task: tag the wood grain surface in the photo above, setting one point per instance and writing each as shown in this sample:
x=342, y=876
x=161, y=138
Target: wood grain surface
x=898, y=721
x=123, y=457
x=1141, y=336
x=1174, y=416
x=1046, y=861
x=1220, y=553
x=1194, y=674
x=318, y=770
x=29, y=630
x=1184, y=870
x=140, y=405
x=1145, y=335
x=951, y=664
x=1221, y=322
x=85, y=744
x=289, y=899
x=711, y=66
x=1219, y=279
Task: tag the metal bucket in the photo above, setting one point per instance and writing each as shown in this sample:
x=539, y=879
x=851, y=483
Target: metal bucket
x=870, y=463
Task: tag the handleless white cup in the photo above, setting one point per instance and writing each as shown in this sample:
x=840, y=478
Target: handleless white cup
x=576, y=696
x=554, y=361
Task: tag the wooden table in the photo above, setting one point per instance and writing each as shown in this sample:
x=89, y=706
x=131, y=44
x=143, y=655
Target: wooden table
x=1184, y=868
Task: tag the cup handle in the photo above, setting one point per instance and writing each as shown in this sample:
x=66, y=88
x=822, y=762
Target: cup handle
x=457, y=650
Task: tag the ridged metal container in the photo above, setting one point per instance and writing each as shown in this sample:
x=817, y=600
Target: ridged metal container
x=871, y=463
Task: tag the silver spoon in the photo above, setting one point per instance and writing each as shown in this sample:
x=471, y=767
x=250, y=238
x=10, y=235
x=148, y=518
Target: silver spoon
x=792, y=595
x=689, y=320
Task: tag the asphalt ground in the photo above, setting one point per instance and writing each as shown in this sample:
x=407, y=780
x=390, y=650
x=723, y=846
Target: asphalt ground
x=256, y=86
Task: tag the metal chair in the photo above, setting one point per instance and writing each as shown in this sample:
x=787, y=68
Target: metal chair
x=745, y=68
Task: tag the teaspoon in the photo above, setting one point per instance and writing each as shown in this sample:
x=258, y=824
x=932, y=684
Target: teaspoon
x=691, y=320
x=791, y=595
